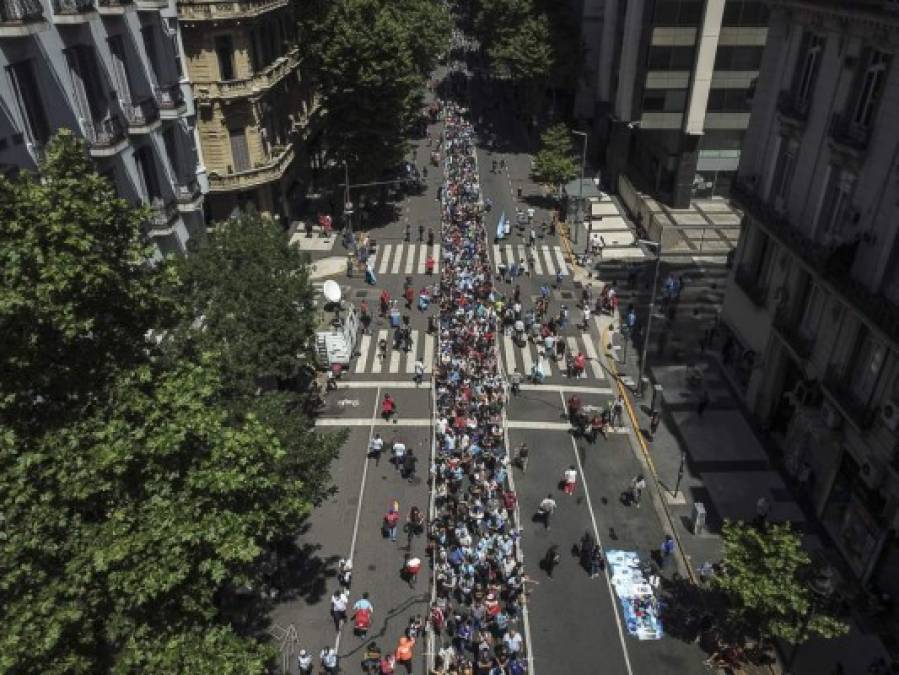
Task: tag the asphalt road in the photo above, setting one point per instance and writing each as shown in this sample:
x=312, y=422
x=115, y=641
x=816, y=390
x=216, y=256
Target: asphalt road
x=574, y=623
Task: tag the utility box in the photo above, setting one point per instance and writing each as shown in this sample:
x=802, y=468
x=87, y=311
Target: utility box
x=698, y=518
x=656, y=397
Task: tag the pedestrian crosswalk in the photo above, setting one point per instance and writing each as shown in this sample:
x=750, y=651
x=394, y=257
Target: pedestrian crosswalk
x=540, y=259
x=403, y=258
x=524, y=358
x=371, y=361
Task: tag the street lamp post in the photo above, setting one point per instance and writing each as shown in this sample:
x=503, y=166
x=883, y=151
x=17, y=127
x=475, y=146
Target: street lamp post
x=680, y=473
x=822, y=589
x=580, y=197
x=652, y=307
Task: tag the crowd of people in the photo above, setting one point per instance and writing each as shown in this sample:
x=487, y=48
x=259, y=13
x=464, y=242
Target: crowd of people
x=473, y=533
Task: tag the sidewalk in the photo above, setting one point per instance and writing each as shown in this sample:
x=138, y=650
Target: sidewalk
x=726, y=469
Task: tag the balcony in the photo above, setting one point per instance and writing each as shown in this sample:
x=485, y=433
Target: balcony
x=821, y=261
x=748, y=281
x=142, y=116
x=786, y=325
x=188, y=195
x=265, y=172
x=255, y=85
x=105, y=138
x=162, y=212
x=791, y=109
x=170, y=101
x=113, y=7
x=21, y=17
x=836, y=387
x=72, y=11
x=218, y=10
x=151, y=5
x=847, y=135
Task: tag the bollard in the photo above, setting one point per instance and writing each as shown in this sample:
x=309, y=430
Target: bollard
x=656, y=397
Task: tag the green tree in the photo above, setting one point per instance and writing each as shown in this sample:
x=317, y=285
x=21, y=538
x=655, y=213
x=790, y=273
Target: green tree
x=77, y=293
x=554, y=163
x=246, y=296
x=373, y=62
x=522, y=51
x=123, y=531
x=767, y=581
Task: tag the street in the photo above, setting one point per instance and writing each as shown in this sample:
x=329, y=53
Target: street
x=573, y=623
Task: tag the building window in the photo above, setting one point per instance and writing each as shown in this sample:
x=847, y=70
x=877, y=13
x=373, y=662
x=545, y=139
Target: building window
x=173, y=36
x=664, y=100
x=783, y=172
x=811, y=314
x=148, y=35
x=146, y=172
x=88, y=92
x=871, y=88
x=678, y=12
x=670, y=58
x=738, y=58
x=240, y=152
x=810, y=54
x=837, y=204
x=729, y=100
x=28, y=98
x=865, y=367
x=121, y=71
x=224, y=49
x=745, y=13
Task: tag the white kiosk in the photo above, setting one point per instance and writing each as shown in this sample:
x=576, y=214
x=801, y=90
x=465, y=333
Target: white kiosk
x=338, y=328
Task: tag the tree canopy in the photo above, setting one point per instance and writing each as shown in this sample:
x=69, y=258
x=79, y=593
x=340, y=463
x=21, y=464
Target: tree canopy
x=768, y=581
x=554, y=163
x=374, y=58
x=78, y=294
x=245, y=294
x=165, y=483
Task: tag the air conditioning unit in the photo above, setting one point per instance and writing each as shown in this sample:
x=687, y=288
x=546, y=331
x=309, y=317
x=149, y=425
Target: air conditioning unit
x=889, y=413
x=832, y=418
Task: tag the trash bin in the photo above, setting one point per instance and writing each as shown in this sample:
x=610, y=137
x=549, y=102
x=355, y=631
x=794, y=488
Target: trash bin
x=698, y=518
x=656, y=397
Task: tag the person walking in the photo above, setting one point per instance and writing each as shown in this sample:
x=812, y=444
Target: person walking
x=703, y=402
x=618, y=412
x=339, y=600
x=654, y=420
x=551, y=559
x=411, y=566
x=545, y=510
x=304, y=662
x=329, y=661
x=404, y=653
x=666, y=549
x=597, y=561
x=638, y=484
x=569, y=479
x=515, y=382
x=409, y=461
x=419, y=371
x=345, y=572
x=391, y=520
x=375, y=446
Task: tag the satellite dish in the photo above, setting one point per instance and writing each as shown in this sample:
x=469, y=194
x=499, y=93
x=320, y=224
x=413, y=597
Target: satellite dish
x=331, y=291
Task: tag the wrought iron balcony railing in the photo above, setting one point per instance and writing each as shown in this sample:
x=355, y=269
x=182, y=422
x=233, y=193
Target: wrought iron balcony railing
x=749, y=282
x=105, y=134
x=860, y=413
x=20, y=11
x=844, y=132
x=789, y=105
x=170, y=98
x=142, y=113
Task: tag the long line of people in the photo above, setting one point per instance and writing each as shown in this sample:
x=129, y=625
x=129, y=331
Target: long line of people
x=473, y=533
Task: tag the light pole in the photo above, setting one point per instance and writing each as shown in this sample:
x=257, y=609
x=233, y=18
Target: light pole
x=652, y=306
x=347, y=204
x=580, y=196
x=822, y=589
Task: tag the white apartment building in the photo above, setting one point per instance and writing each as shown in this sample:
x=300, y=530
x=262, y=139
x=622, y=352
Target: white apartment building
x=814, y=301
x=111, y=70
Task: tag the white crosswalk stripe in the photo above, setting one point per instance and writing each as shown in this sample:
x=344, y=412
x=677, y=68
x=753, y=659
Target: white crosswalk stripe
x=590, y=353
x=384, y=251
x=396, y=361
x=524, y=358
x=546, y=259
x=408, y=258
x=547, y=256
